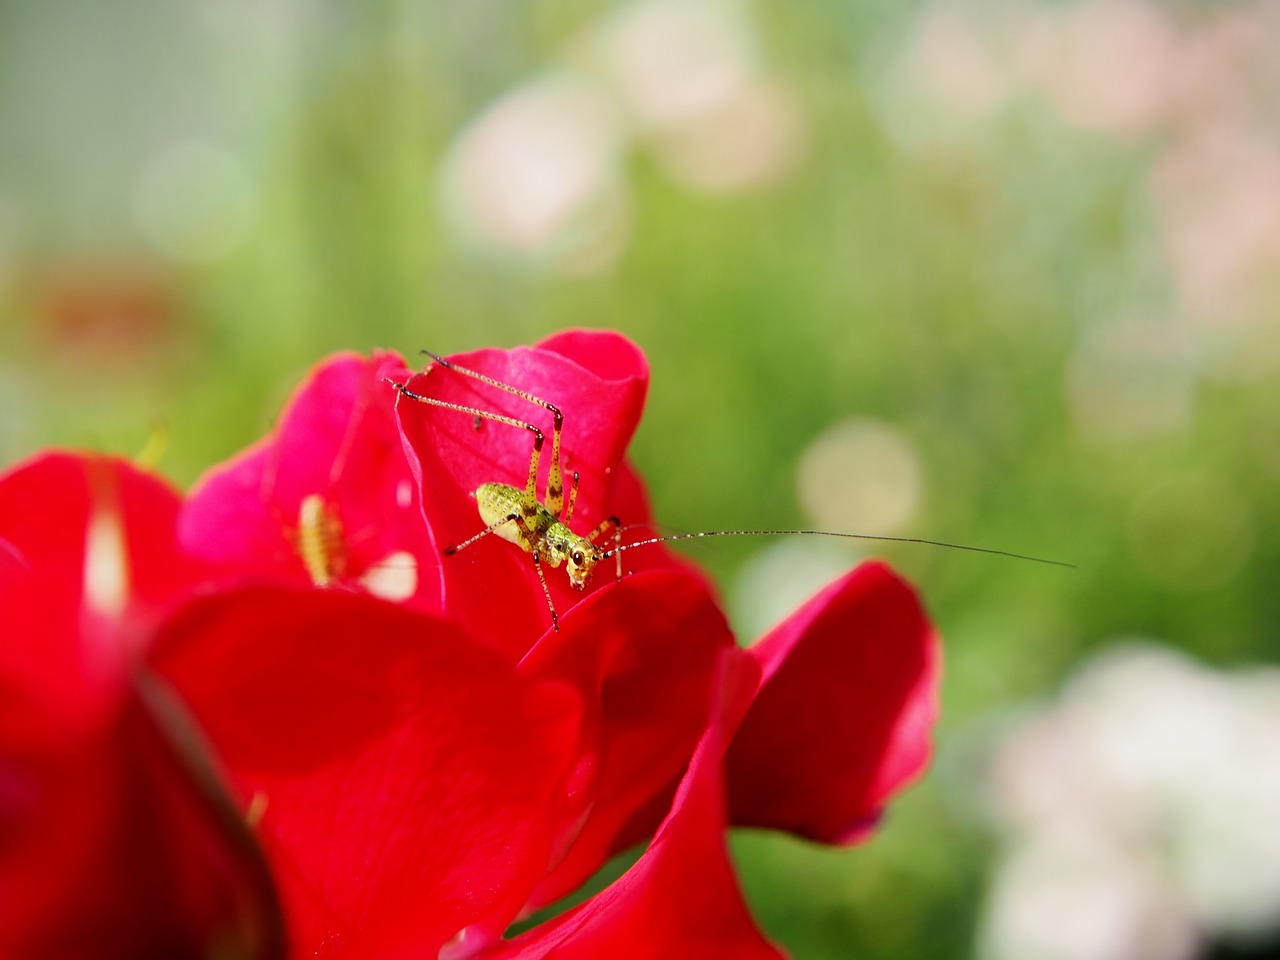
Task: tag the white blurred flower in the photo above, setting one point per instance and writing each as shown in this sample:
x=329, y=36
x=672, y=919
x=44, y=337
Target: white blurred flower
x=689, y=74
x=949, y=75
x=675, y=61
x=536, y=175
x=1065, y=896
x=753, y=138
x=1229, y=67
x=1217, y=195
x=1228, y=857
x=1128, y=68
x=1149, y=792
x=782, y=576
x=1107, y=65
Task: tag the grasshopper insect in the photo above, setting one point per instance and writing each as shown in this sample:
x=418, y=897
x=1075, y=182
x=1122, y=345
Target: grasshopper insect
x=540, y=527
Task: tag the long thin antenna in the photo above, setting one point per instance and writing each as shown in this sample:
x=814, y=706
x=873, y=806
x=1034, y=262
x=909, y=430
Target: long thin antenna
x=830, y=533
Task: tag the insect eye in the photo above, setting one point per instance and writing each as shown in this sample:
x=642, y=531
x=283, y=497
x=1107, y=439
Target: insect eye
x=577, y=556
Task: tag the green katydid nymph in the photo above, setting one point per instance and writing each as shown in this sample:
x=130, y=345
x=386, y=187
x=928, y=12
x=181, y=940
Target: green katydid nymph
x=540, y=526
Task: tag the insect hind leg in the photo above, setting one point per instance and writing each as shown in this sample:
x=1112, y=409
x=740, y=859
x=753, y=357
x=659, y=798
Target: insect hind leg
x=555, y=478
x=529, y=502
x=491, y=528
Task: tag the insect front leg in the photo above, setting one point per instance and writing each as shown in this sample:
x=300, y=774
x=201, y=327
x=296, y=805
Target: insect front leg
x=607, y=524
x=546, y=591
x=555, y=478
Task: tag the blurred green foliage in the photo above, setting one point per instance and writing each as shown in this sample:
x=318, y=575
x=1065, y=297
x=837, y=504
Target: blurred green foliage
x=943, y=286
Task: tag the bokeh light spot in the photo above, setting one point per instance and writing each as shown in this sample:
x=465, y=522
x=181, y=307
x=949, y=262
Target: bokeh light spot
x=860, y=476
x=535, y=176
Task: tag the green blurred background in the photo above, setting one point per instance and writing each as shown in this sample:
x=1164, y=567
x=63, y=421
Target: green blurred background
x=999, y=273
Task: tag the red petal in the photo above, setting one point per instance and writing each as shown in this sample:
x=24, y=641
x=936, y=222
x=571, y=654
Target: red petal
x=606, y=353
x=108, y=846
x=109, y=849
x=643, y=652
x=89, y=557
x=844, y=715
x=410, y=778
x=599, y=386
x=681, y=898
x=337, y=443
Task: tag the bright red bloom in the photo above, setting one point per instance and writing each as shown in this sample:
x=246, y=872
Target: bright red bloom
x=843, y=716
x=680, y=899
x=113, y=843
x=850, y=681
x=599, y=382
x=419, y=773
x=407, y=775
x=329, y=486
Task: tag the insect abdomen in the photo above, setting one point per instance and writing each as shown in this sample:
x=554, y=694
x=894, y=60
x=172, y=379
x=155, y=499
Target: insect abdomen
x=496, y=501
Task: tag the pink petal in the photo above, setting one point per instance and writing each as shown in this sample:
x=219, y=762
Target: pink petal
x=110, y=845
x=843, y=718
x=643, y=653
x=88, y=558
x=337, y=443
x=110, y=848
x=681, y=898
x=410, y=777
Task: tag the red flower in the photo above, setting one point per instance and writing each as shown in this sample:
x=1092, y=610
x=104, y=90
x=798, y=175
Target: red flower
x=850, y=681
x=407, y=777
x=599, y=382
x=419, y=773
x=327, y=499
x=680, y=899
x=113, y=841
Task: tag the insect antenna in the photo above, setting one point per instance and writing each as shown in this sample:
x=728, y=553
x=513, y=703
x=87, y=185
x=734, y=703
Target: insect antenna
x=830, y=533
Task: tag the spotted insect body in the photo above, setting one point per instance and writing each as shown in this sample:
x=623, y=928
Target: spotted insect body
x=500, y=506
